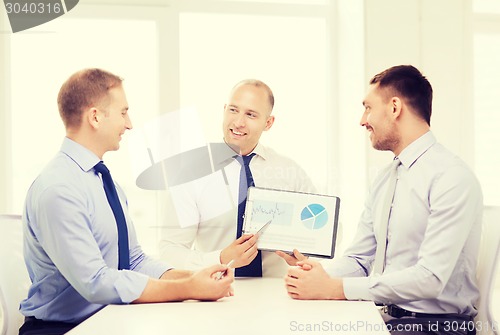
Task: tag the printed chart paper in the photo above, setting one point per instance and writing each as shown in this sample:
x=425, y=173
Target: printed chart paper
x=303, y=221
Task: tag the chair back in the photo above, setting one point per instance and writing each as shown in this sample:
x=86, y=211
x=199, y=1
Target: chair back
x=489, y=253
x=14, y=279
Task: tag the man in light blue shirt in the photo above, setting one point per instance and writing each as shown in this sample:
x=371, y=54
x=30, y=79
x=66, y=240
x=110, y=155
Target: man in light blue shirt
x=70, y=232
x=433, y=230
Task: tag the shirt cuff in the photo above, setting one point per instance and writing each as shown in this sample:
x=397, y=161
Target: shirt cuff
x=130, y=285
x=357, y=288
x=160, y=273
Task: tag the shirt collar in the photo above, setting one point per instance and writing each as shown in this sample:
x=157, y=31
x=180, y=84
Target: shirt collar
x=82, y=156
x=225, y=156
x=416, y=149
x=261, y=151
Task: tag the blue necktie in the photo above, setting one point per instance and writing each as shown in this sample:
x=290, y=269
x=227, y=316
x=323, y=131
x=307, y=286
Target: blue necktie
x=114, y=202
x=254, y=269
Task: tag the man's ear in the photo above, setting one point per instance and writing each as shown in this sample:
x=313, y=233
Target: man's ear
x=269, y=122
x=93, y=116
x=396, y=105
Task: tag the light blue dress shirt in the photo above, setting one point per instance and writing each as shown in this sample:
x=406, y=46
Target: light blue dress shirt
x=71, y=243
x=433, y=236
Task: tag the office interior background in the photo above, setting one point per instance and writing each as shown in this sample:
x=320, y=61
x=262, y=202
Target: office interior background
x=316, y=55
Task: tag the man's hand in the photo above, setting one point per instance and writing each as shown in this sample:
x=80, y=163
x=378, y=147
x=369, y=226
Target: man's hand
x=291, y=259
x=179, y=285
x=242, y=251
x=205, y=285
x=309, y=281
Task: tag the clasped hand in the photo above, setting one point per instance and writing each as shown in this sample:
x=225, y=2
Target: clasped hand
x=308, y=280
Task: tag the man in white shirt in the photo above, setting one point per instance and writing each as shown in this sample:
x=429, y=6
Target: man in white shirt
x=427, y=278
x=207, y=208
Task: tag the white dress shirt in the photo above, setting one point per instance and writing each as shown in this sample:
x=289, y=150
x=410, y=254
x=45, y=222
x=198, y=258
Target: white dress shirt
x=207, y=211
x=433, y=236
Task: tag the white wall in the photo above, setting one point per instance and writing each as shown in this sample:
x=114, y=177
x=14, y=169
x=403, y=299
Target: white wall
x=436, y=37
x=4, y=119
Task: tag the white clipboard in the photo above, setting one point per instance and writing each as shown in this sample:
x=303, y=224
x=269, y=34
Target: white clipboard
x=303, y=221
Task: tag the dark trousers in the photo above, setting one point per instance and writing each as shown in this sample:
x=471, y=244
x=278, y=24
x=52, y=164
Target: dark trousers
x=33, y=326
x=403, y=322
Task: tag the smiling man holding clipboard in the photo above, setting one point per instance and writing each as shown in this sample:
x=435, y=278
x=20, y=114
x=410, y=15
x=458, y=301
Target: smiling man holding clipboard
x=209, y=212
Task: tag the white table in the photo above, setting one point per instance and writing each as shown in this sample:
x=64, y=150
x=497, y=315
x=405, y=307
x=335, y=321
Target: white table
x=259, y=306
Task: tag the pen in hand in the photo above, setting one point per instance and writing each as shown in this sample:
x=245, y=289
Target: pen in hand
x=220, y=274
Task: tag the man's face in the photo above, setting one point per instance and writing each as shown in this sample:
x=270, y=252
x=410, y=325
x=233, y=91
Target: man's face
x=377, y=119
x=246, y=115
x=115, y=119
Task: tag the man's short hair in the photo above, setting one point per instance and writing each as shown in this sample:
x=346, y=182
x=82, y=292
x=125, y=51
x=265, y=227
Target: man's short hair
x=84, y=89
x=407, y=82
x=257, y=83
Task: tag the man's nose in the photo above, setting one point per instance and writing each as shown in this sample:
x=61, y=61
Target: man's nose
x=239, y=120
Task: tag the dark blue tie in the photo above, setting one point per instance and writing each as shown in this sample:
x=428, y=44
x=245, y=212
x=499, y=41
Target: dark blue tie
x=254, y=269
x=114, y=202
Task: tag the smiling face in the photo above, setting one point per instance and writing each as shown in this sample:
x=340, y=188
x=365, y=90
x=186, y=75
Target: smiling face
x=113, y=118
x=246, y=115
x=377, y=119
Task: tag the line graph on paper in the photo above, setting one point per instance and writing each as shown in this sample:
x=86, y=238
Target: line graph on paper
x=279, y=212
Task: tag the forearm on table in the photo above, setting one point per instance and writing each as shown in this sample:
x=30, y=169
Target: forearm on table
x=335, y=289
x=413, y=283
x=163, y=290
x=176, y=274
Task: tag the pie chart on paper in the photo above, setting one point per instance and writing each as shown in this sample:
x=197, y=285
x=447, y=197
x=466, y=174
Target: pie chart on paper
x=314, y=216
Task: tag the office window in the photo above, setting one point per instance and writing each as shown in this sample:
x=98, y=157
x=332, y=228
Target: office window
x=311, y=55
x=486, y=6
x=190, y=54
x=486, y=93
x=277, y=50
x=305, y=2
x=43, y=58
